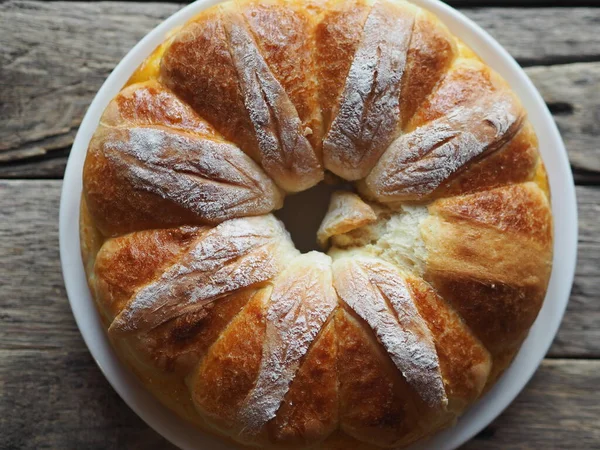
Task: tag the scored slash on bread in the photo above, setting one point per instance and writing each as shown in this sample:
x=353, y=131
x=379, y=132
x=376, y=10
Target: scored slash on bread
x=302, y=300
x=368, y=115
x=437, y=265
x=375, y=291
x=286, y=153
x=417, y=163
x=235, y=254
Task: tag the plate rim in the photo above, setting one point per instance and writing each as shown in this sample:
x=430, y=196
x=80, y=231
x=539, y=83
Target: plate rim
x=486, y=409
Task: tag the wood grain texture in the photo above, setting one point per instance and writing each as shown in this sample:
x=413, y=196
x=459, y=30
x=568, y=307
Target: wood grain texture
x=558, y=409
x=579, y=334
x=60, y=400
x=55, y=55
x=572, y=92
x=35, y=314
x=542, y=36
x=39, y=318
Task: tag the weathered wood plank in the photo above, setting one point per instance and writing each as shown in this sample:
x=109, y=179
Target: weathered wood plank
x=542, y=36
x=54, y=57
x=579, y=334
x=558, y=409
x=572, y=92
x=34, y=311
x=55, y=399
x=60, y=399
x=38, y=316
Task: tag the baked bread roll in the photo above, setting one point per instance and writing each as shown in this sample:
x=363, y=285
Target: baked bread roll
x=434, y=269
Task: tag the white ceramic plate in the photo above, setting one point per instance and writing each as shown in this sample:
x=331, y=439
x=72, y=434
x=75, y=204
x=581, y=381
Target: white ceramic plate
x=490, y=406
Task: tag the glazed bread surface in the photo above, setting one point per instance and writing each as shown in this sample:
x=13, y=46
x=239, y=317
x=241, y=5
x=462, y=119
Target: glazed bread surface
x=434, y=266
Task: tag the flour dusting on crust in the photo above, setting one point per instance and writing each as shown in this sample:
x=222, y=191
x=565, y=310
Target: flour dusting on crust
x=369, y=112
x=236, y=254
x=286, y=154
x=377, y=292
x=302, y=300
x=417, y=163
x=213, y=179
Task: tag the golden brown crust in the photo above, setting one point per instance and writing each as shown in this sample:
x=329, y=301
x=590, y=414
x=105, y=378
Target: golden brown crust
x=418, y=164
x=377, y=292
x=464, y=362
x=149, y=69
x=309, y=411
x=490, y=257
x=126, y=263
x=228, y=372
x=337, y=38
x=514, y=163
x=150, y=177
x=177, y=345
x=154, y=163
x=150, y=103
x=115, y=205
x=467, y=81
x=367, y=114
x=199, y=69
x=300, y=306
x=433, y=284
x=521, y=209
x=375, y=401
x=541, y=178
x=234, y=255
x=431, y=52
x=289, y=52
x=90, y=238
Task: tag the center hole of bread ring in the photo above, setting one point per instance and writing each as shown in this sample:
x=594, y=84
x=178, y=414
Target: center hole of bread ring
x=302, y=214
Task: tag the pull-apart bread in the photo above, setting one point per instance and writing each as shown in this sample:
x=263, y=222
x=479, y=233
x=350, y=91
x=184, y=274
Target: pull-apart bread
x=434, y=267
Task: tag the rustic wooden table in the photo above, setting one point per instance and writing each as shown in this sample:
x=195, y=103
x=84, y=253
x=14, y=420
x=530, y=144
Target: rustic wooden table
x=53, y=58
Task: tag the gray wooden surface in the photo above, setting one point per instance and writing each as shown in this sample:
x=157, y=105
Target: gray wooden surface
x=53, y=58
